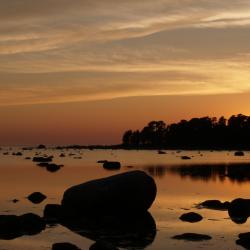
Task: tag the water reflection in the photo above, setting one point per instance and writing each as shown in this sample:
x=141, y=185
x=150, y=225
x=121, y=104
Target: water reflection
x=137, y=231
x=234, y=172
x=156, y=171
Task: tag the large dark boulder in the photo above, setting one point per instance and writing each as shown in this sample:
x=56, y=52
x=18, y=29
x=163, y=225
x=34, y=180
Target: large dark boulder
x=131, y=192
x=239, y=210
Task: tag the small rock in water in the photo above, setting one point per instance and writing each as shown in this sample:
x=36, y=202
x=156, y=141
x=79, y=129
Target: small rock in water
x=41, y=146
x=12, y=226
x=192, y=237
x=9, y=227
x=185, y=157
x=15, y=200
x=160, y=152
x=62, y=155
x=64, y=246
x=239, y=210
x=191, y=217
x=42, y=159
x=102, y=245
x=102, y=161
x=36, y=197
x=239, y=153
x=214, y=204
x=32, y=223
x=53, y=167
x=112, y=165
x=244, y=240
x=17, y=154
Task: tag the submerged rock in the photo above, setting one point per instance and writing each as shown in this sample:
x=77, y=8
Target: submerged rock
x=191, y=217
x=36, y=197
x=112, y=165
x=192, y=237
x=239, y=210
x=131, y=192
x=64, y=246
x=102, y=245
x=214, y=204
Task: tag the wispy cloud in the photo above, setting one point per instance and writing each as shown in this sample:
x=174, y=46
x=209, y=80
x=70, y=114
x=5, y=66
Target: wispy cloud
x=61, y=51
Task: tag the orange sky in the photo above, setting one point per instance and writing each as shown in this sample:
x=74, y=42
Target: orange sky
x=111, y=59
x=103, y=122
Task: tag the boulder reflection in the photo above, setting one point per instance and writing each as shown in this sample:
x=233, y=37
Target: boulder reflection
x=234, y=172
x=137, y=231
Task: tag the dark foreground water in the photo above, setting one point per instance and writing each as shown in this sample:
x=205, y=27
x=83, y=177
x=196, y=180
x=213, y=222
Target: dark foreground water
x=181, y=185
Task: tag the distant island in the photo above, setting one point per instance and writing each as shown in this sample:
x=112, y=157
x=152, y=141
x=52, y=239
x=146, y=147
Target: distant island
x=196, y=133
x=207, y=133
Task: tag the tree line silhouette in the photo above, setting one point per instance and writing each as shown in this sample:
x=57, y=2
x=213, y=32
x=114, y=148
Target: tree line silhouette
x=196, y=133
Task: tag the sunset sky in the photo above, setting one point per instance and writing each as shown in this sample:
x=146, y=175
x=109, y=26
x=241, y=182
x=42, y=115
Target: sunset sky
x=84, y=71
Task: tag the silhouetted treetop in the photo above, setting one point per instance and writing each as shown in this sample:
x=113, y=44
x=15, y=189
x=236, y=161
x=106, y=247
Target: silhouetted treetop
x=205, y=132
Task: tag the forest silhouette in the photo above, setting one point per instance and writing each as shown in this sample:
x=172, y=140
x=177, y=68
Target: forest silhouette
x=196, y=133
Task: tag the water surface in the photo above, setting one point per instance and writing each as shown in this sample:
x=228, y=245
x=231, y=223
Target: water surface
x=181, y=185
